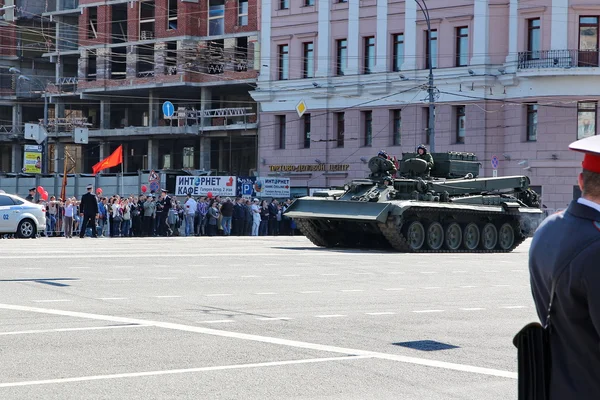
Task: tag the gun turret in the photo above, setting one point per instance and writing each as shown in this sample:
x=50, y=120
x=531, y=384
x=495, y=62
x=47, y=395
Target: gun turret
x=381, y=168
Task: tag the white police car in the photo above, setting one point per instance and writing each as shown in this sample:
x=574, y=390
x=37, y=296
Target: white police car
x=21, y=217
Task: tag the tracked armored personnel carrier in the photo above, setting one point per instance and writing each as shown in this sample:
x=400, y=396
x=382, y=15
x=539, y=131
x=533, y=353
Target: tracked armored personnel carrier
x=448, y=208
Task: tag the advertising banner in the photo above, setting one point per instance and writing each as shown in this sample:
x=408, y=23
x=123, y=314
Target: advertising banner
x=272, y=187
x=32, y=159
x=224, y=186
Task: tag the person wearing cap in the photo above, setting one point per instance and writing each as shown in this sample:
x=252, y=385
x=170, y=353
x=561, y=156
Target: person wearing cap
x=31, y=195
x=88, y=209
x=566, y=245
x=163, y=207
x=255, y=217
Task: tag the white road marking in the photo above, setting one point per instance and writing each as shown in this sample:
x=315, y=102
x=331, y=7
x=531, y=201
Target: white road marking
x=310, y=291
x=291, y=275
x=93, y=328
x=472, y=309
x=390, y=289
x=51, y=301
x=265, y=293
x=428, y=311
x=167, y=297
x=380, y=313
x=216, y=321
x=179, y=371
x=273, y=319
x=468, y=286
x=264, y=339
x=511, y=307
x=330, y=316
x=352, y=290
x=363, y=273
x=111, y=298
x=250, y=276
x=431, y=287
x=329, y=274
x=219, y=294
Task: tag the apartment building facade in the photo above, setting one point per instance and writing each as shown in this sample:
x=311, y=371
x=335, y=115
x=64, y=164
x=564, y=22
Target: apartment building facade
x=512, y=79
x=118, y=62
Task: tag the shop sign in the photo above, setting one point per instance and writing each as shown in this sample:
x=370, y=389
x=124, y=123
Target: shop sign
x=310, y=168
x=224, y=186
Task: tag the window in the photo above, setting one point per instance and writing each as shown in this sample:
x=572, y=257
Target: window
x=588, y=42
x=368, y=119
x=462, y=46
x=396, y=127
x=283, y=56
x=342, y=56
x=431, y=45
x=284, y=4
x=306, y=130
x=426, y=123
x=188, y=157
x=281, y=132
x=6, y=201
x=93, y=18
x=242, y=12
x=369, y=56
x=147, y=20
x=532, y=122
x=309, y=2
x=172, y=19
x=216, y=17
x=308, y=68
x=586, y=119
x=340, y=126
x=397, y=51
x=91, y=65
x=460, y=124
x=533, y=38
x=145, y=60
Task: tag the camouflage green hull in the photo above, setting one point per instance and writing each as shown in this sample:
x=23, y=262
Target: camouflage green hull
x=414, y=226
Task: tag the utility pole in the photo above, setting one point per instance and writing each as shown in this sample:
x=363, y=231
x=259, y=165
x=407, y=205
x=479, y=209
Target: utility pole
x=430, y=87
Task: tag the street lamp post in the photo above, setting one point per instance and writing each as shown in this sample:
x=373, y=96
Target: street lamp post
x=430, y=89
x=45, y=92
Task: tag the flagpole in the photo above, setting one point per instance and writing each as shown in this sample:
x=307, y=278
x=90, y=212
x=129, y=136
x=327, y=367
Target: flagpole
x=122, y=190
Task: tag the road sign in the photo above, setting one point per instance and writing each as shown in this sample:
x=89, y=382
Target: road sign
x=81, y=135
x=168, y=109
x=495, y=173
x=301, y=108
x=246, y=189
x=495, y=162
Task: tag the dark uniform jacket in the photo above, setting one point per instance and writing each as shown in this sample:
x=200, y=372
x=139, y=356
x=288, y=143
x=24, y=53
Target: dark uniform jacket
x=89, y=204
x=572, y=240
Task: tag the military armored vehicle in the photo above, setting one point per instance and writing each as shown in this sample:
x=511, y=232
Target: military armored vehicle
x=447, y=208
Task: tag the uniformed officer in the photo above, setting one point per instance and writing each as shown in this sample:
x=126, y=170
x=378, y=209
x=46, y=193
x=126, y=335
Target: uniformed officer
x=88, y=208
x=567, y=245
x=424, y=155
x=165, y=205
x=31, y=195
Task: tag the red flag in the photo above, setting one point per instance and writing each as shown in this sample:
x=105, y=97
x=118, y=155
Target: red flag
x=116, y=158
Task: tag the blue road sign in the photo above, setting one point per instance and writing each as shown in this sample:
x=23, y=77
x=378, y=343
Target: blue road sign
x=168, y=109
x=495, y=162
x=154, y=186
x=246, y=189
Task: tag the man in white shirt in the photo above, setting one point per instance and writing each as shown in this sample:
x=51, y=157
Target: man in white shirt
x=190, y=214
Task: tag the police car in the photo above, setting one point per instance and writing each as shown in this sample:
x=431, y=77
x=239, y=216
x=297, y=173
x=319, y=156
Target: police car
x=21, y=217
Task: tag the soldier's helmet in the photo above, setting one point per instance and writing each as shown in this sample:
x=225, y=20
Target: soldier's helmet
x=383, y=154
x=422, y=146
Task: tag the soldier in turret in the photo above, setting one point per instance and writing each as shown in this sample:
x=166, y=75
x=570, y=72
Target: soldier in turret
x=424, y=155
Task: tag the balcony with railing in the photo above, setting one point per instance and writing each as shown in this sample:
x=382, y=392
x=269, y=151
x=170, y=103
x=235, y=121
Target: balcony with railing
x=545, y=59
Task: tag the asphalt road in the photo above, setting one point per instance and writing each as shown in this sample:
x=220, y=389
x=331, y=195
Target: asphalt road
x=256, y=318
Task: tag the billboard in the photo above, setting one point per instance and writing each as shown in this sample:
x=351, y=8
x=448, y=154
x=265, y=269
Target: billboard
x=278, y=188
x=224, y=186
x=32, y=159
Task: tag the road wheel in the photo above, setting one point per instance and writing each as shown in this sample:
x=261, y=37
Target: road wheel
x=435, y=236
x=453, y=236
x=26, y=229
x=489, y=237
x=415, y=235
x=471, y=236
x=506, y=236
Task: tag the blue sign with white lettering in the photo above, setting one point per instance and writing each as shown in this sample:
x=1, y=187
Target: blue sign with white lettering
x=247, y=189
x=168, y=109
x=495, y=162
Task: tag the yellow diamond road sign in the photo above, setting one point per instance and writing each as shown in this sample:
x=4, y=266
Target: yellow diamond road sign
x=301, y=108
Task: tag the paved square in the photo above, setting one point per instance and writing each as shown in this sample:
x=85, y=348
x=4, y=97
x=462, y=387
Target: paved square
x=256, y=318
